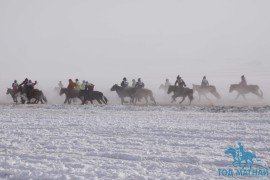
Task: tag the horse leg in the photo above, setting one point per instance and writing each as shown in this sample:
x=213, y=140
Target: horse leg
x=98, y=100
x=206, y=97
x=146, y=100
x=237, y=96
x=182, y=99
x=103, y=100
x=153, y=99
x=173, y=98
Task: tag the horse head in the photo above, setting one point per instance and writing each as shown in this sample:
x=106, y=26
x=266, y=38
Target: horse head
x=230, y=151
x=62, y=91
x=170, y=89
x=115, y=87
x=232, y=88
x=8, y=91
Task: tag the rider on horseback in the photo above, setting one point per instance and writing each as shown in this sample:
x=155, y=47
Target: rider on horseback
x=60, y=84
x=167, y=83
x=83, y=85
x=243, y=81
x=240, y=151
x=24, y=84
x=139, y=84
x=181, y=83
x=15, y=86
x=77, y=84
x=133, y=83
x=88, y=87
x=124, y=83
x=204, y=83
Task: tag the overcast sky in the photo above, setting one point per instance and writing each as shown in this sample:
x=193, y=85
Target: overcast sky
x=109, y=39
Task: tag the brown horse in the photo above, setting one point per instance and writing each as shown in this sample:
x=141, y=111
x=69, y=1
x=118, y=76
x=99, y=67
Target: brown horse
x=242, y=90
x=70, y=94
x=15, y=95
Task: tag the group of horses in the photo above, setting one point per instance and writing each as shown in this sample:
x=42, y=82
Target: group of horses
x=134, y=94
x=241, y=90
x=33, y=96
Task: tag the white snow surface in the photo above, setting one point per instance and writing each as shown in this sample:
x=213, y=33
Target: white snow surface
x=127, y=142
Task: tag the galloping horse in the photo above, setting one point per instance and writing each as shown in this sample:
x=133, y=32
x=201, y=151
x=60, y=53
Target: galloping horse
x=242, y=90
x=92, y=95
x=15, y=95
x=70, y=94
x=205, y=90
x=124, y=92
x=144, y=93
x=133, y=93
x=181, y=92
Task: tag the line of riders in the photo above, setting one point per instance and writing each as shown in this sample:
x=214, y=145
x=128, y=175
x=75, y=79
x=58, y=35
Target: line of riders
x=137, y=91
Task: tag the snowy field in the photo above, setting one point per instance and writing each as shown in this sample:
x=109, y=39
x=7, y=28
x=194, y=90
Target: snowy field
x=127, y=142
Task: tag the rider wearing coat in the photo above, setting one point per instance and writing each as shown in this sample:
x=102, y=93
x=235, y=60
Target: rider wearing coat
x=124, y=83
x=243, y=81
x=204, y=83
x=180, y=82
x=139, y=84
x=15, y=86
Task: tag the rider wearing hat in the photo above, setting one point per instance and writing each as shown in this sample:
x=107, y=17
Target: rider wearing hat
x=167, y=83
x=133, y=83
x=204, y=83
x=77, y=84
x=15, y=86
x=243, y=81
x=180, y=82
x=139, y=84
x=124, y=83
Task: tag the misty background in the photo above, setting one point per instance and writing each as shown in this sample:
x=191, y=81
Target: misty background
x=103, y=41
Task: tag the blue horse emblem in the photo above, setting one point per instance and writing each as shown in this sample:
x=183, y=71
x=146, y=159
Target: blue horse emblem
x=239, y=155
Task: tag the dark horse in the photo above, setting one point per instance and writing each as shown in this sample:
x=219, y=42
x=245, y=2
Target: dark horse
x=242, y=90
x=124, y=92
x=33, y=94
x=133, y=93
x=92, y=95
x=180, y=92
x=205, y=90
x=15, y=95
x=70, y=94
x=38, y=96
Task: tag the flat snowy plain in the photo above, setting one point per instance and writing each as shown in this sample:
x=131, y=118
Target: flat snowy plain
x=127, y=142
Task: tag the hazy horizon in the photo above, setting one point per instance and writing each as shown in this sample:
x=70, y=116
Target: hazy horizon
x=104, y=41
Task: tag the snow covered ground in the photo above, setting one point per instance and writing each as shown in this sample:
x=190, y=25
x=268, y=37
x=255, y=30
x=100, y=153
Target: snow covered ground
x=127, y=142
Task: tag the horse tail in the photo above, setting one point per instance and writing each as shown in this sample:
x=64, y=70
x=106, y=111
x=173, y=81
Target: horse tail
x=190, y=94
x=261, y=93
x=217, y=95
x=43, y=97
